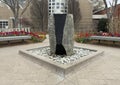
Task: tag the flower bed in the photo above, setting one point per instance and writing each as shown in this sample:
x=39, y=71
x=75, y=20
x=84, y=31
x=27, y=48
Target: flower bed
x=13, y=33
x=108, y=34
x=36, y=37
x=84, y=37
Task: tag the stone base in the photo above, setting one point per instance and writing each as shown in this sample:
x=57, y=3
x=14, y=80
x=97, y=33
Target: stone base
x=61, y=69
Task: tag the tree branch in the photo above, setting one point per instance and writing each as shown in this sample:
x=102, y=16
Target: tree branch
x=27, y=5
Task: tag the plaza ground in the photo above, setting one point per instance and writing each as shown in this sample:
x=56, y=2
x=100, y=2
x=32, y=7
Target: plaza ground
x=17, y=70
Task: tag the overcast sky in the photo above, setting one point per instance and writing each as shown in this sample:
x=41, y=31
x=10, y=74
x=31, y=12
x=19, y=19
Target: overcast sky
x=112, y=0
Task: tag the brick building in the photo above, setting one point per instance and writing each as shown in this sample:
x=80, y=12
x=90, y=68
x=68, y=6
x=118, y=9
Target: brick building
x=116, y=18
x=116, y=13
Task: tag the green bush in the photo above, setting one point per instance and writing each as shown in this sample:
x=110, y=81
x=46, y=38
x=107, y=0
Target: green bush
x=82, y=40
x=35, y=39
x=102, y=25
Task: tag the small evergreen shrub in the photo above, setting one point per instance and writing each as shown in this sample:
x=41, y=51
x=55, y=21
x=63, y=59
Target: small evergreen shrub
x=102, y=25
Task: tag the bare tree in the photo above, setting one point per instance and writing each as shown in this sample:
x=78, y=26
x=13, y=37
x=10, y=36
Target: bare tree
x=14, y=5
x=74, y=8
x=110, y=11
x=39, y=14
x=97, y=5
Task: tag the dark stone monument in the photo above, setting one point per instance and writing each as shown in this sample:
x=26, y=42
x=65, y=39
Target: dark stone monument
x=59, y=28
x=61, y=34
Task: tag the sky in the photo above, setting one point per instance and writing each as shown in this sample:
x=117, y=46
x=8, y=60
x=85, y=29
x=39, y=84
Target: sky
x=111, y=1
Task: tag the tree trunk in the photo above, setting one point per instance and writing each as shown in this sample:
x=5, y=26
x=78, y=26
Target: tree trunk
x=15, y=22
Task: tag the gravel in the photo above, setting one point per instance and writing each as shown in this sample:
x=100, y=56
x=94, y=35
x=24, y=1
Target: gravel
x=45, y=52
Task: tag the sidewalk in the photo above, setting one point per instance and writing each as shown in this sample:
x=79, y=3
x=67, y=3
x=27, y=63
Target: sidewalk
x=17, y=70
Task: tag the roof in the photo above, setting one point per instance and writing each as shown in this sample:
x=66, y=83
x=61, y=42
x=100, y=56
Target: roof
x=99, y=16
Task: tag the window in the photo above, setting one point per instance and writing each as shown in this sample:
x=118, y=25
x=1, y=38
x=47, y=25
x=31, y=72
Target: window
x=57, y=6
x=62, y=11
x=62, y=7
x=3, y=23
x=0, y=24
x=65, y=11
x=66, y=8
x=62, y=4
x=53, y=3
x=49, y=10
x=57, y=3
x=53, y=7
x=52, y=10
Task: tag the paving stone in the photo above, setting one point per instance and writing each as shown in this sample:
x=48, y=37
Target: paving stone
x=18, y=70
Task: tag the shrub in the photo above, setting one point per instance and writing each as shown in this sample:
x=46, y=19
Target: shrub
x=38, y=37
x=102, y=25
x=82, y=37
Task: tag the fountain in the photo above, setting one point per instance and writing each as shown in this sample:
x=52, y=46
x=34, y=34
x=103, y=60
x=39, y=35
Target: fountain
x=61, y=34
x=61, y=55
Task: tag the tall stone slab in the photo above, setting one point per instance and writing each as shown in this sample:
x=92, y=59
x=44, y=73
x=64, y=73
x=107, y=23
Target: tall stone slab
x=66, y=33
x=52, y=37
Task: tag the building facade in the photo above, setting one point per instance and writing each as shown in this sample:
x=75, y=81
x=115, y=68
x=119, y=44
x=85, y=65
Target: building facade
x=86, y=22
x=6, y=16
x=115, y=22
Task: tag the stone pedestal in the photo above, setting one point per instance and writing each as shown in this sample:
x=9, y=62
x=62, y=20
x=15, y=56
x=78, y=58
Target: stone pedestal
x=61, y=34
